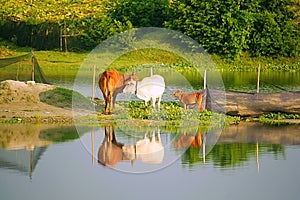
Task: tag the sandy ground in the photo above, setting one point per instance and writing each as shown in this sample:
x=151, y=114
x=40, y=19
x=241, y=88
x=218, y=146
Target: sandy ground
x=21, y=101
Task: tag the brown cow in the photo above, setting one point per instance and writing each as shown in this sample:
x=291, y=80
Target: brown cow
x=111, y=83
x=189, y=99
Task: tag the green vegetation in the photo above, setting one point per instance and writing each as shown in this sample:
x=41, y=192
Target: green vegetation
x=171, y=113
x=53, y=62
x=231, y=155
x=62, y=97
x=277, y=119
x=59, y=134
x=225, y=28
x=6, y=95
x=229, y=28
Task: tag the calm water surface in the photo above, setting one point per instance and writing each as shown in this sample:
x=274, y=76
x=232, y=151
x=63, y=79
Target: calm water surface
x=247, y=162
x=240, y=162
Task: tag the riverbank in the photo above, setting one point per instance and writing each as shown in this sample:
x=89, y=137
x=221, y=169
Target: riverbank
x=29, y=102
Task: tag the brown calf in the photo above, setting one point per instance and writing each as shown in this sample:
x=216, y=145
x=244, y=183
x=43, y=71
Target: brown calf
x=185, y=140
x=189, y=98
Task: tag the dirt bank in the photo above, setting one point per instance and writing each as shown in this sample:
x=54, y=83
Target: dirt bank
x=27, y=102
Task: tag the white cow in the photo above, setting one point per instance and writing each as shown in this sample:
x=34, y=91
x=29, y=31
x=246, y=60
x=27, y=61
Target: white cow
x=148, y=150
x=149, y=89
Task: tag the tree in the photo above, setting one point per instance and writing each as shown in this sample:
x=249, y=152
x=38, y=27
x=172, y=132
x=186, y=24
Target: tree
x=69, y=19
x=230, y=27
x=275, y=29
x=141, y=13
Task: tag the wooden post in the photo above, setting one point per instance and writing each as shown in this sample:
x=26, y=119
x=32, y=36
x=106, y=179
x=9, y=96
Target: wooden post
x=65, y=36
x=60, y=39
x=151, y=71
x=205, y=92
x=94, y=83
x=258, y=76
x=204, y=80
x=32, y=69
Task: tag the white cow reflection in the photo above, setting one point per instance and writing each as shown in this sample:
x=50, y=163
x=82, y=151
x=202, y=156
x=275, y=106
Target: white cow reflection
x=148, y=150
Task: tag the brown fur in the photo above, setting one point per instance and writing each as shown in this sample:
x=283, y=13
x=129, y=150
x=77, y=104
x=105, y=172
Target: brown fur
x=110, y=152
x=189, y=98
x=111, y=83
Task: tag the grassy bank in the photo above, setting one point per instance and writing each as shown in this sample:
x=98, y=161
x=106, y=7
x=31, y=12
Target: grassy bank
x=56, y=60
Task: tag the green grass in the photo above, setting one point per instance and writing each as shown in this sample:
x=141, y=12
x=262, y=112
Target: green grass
x=248, y=63
x=277, y=119
x=65, y=98
x=55, y=60
x=172, y=113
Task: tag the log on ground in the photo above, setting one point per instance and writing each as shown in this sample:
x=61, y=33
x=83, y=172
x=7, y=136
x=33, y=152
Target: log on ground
x=252, y=104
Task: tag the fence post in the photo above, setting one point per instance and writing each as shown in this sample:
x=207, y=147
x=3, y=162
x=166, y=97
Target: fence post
x=94, y=83
x=204, y=80
x=32, y=64
x=258, y=76
x=205, y=92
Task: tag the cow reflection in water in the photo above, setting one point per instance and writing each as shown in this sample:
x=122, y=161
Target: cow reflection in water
x=110, y=152
x=185, y=140
x=148, y=150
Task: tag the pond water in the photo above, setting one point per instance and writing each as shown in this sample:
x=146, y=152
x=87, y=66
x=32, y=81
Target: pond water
x=272, y=81
x=240, y=162
x=248, y=161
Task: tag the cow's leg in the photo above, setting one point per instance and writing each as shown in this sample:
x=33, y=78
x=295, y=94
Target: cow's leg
x=109, y=104
x=158, y=103
x=153, y=103
x=199, y=100
x=114, y=99
x=105, y=104
x=146, y=103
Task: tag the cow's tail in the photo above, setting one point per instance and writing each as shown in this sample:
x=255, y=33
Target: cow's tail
x=103, y=80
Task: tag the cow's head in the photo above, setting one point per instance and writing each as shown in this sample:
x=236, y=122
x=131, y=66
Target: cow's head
x=130, y=86
x=127, y=78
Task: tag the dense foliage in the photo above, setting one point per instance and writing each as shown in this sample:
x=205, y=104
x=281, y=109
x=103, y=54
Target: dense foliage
x=230, y=27
x=224, y=27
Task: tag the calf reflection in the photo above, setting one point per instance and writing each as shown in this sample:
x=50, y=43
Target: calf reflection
x=186, y=140
x=148, y=150
x=110, y=152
